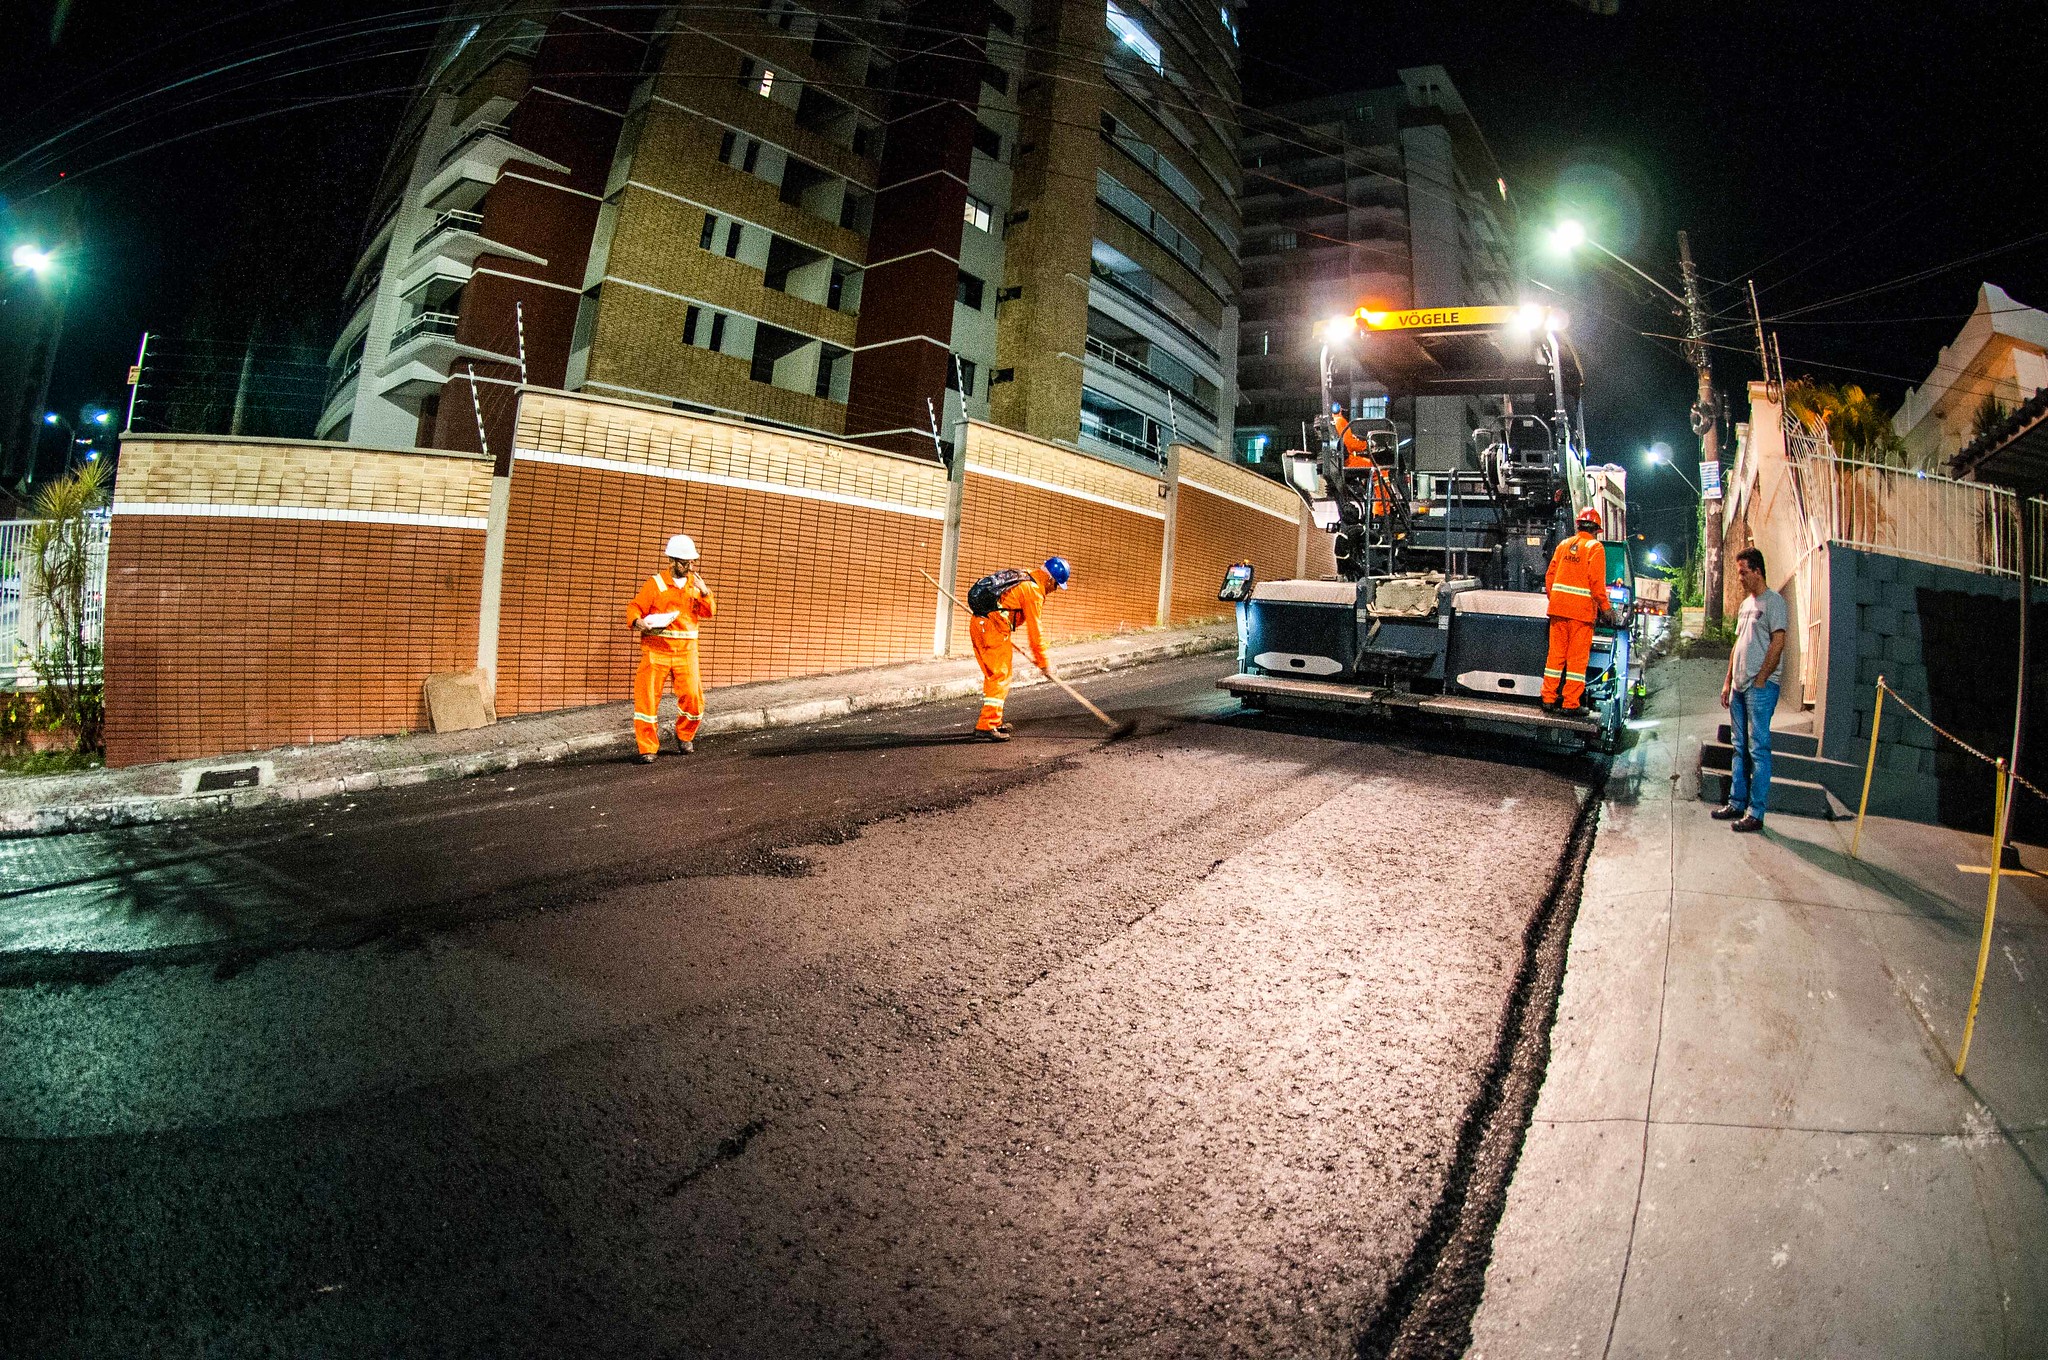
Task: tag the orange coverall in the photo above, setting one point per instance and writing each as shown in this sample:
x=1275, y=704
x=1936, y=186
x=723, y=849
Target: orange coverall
x=1358, y=454
x=1020, y=604
x=668, y=656
x=1577, y=586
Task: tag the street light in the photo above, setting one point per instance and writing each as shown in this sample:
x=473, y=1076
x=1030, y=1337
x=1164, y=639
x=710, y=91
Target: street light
x=1659, y=455
x=1569, y=235
x=34, y=260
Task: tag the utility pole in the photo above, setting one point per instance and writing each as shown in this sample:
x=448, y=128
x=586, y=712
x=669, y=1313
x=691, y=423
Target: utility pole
x=1706, y=424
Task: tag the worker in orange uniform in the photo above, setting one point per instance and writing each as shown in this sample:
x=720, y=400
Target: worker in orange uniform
x=1002, y=602
x=665, y=614
x=1358, y=455
x=1577, y=586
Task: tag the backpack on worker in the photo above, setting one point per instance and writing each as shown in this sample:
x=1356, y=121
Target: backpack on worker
x=984, y=596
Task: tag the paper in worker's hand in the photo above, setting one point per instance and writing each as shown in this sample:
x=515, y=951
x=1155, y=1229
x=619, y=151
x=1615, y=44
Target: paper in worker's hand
x=661, y=620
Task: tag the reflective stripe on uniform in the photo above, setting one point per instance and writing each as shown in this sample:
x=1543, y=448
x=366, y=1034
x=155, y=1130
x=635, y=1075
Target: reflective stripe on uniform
x=646, y=717
x=992, y=703
x=1563, y=589
x=1552, y=674
x=676, y=634
x=1579, y=676
x=688, y=717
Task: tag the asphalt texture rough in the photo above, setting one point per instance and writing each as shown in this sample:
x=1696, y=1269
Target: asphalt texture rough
x=862, y=1039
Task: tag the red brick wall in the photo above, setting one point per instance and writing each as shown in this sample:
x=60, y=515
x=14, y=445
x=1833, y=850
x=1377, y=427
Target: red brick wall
x=1322, y=554
x=233, y=634
x=804, y=586
x=1115, y=553
x=1210, y=533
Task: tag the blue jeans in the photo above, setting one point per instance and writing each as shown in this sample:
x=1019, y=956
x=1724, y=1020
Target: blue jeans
x=1749, y=731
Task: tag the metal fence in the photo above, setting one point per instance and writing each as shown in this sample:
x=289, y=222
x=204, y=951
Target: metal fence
x=23, y=630
x=1968, y=525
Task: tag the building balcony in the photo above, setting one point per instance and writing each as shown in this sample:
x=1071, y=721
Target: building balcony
x=1131, y=367
x=424, y=354
x=478, y=156
x=451, y=246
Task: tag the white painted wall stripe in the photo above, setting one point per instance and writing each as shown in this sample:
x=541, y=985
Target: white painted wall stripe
x=717, y=479
x=196, y=510
x=1001, y=475
x=1287, y=517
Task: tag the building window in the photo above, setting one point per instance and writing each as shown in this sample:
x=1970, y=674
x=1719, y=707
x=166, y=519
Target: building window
x=1132, y=35
x=979, y=214
x=988, y=141
x=1285, y=240
x=705, y=236
x=725, y=144
x=967, y=292
x=767, y=86
x=1265, y=342
x=1368, y=408
x=732, y=241
x=960, y=376
x=1255, y=448
x=690, y=319
x=753, y=156
x=1001, y=20
x=717, y=332
x=996, y=77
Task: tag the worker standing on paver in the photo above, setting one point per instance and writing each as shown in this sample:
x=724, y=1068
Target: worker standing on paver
x=665, y=614
x=1002, y=602
x=1577, y=586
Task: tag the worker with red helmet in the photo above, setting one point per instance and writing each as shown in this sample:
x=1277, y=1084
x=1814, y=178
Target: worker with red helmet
x=1577, y=586
x=664, y=615
x=1002, y=602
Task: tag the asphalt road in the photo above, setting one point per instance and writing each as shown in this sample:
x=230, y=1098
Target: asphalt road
x=862, y=1039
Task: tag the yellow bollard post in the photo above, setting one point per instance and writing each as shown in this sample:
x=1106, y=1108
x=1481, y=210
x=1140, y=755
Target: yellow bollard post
x=1998, y=810
x=1876, y=720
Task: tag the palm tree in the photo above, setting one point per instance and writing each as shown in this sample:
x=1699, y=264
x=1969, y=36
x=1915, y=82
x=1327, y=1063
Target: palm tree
x=57, y=567
x=1855, y=424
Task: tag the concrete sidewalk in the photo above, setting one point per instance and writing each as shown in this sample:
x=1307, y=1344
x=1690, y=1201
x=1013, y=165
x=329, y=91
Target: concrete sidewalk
x=151, y=793
x=1750, y=1141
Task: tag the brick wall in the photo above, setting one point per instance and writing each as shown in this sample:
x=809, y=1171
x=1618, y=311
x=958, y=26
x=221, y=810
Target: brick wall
x=812, y=546
x=264, y=593
x=1225, y=514
x=1025, y=500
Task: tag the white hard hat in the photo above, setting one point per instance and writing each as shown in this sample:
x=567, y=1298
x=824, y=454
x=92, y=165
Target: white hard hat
x=682, y=548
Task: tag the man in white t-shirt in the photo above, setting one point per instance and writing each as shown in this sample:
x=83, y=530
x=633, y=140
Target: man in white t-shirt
x=1750, y=693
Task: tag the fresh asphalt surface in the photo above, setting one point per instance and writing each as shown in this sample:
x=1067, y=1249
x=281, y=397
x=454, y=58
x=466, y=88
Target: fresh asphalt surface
x=861, y=1039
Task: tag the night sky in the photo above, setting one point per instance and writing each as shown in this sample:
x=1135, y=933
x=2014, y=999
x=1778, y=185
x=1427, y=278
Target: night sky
x=1823, y=148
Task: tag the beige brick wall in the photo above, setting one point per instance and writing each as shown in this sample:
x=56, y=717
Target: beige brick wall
x=211, y=470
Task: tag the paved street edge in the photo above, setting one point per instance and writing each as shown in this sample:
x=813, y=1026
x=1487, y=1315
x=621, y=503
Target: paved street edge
x=135, y=811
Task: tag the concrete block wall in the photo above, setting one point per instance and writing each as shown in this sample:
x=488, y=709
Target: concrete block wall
x=1946, y=641
x=273, y=592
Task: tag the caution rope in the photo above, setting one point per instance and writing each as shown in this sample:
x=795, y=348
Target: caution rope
x=2012, y=776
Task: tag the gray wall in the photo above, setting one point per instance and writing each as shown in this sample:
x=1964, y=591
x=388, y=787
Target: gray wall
x=1946, y=641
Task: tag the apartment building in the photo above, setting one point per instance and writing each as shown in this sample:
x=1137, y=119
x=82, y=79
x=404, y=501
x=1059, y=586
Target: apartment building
x=1998, y=360
x=1385, y=196
x=857, y=217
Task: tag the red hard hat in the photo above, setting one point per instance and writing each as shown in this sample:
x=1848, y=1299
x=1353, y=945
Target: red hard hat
x=1590, y=514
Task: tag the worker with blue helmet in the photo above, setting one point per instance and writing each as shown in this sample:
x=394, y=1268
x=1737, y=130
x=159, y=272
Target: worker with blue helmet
x=1002, y=602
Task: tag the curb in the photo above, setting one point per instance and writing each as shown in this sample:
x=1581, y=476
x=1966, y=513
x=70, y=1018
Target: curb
x=168, y=807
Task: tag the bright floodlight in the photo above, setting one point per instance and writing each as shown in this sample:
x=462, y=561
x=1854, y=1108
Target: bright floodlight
x=100, y=417
x=1556, y=319
x=31, y=259
x=1656, y=555
x=1570, y=235
x=1337, y=327
x=50, y=417
x=1528, y=316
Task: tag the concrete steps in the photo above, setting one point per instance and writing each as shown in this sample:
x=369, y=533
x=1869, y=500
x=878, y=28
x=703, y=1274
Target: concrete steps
x=1803, y=782
x=1793, y=797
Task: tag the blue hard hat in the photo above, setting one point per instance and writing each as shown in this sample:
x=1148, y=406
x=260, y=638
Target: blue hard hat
x=1057, y=568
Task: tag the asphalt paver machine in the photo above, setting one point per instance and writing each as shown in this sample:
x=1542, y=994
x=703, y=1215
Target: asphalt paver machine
x=1437, y=610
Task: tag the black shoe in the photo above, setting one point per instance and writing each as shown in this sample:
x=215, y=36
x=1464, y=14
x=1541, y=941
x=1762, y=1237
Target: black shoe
x=645, y=758
x=1750, y=823
x=685, y=747
x=1004, y=728
x=1727, y=812
x=1550, y=705
x=991, y=734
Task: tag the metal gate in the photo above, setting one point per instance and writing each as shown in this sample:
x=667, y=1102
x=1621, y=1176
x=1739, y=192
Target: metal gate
x=22, y=630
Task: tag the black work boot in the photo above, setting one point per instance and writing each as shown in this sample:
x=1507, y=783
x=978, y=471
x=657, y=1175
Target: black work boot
x=991, y=734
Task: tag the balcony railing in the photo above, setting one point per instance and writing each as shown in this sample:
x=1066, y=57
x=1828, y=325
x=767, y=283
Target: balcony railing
x=426, y=323
x=1110, y=434
x=455, y=219
x=475, y=134
x=1123, y=362
x=1164, y=311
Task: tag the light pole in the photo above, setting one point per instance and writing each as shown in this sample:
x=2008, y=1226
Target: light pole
x=1568, y=236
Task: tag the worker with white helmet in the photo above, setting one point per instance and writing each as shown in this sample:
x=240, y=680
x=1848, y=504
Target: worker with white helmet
x=665, y=614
